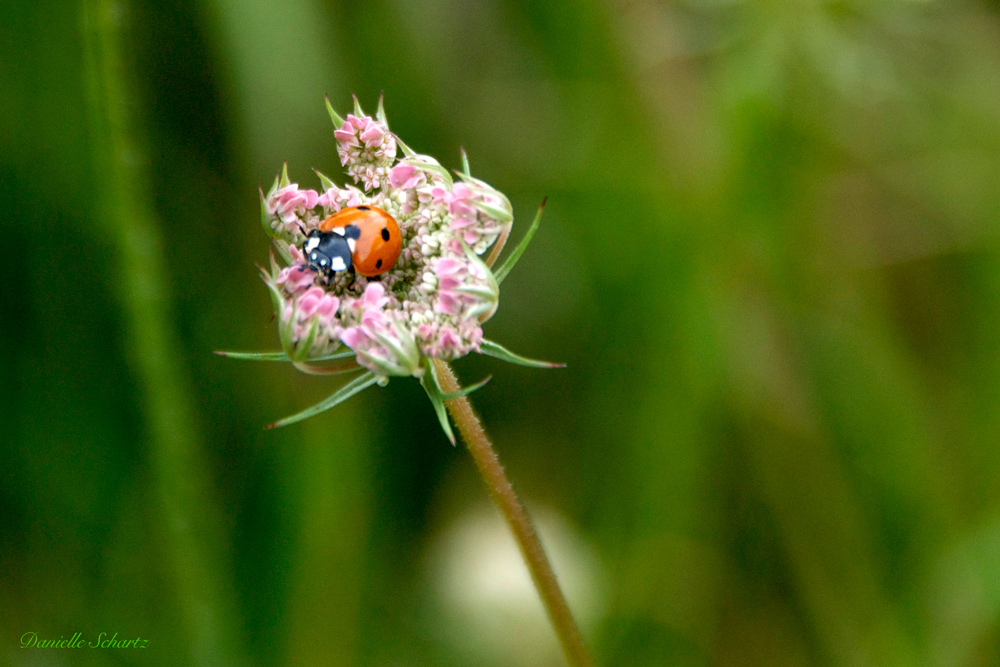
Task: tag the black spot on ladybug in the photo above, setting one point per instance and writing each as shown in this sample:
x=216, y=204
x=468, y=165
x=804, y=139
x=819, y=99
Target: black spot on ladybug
x=378, y=264
x=364, y=208
x=385, y=233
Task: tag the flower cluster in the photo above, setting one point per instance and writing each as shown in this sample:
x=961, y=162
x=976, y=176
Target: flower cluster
x=288, y=207
x=366, y=148
x=431, y=304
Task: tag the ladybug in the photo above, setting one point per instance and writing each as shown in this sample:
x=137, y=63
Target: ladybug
x=363, y=238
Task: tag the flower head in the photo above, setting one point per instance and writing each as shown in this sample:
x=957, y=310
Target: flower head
x=431, y=303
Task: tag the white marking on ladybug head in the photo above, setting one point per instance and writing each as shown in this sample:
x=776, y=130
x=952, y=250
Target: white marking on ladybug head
x=339, y=231
x=350, y=244
x=312, y=244
x=338, y=264
x=322, y=262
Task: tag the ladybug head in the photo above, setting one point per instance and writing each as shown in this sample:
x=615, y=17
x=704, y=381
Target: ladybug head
x=327, y=252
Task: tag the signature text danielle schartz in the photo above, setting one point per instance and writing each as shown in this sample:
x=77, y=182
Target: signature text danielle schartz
x=104, y=640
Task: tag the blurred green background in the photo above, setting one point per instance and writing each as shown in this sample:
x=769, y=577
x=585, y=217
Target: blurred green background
x=769, y=258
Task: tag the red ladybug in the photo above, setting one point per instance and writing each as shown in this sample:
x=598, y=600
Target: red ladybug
x=372, y=234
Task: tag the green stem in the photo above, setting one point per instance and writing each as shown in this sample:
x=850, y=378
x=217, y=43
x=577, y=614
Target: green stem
x=517, y=518
x=185, y=508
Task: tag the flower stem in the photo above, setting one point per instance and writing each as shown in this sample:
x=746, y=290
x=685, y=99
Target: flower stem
x=517, y=518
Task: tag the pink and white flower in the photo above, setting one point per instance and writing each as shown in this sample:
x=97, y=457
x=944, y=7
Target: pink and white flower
x=367, y=148
x=382, y=342
x=297, y=277
x=469, y=206
x=314, y=310
x=336, y=198
x=290, y=207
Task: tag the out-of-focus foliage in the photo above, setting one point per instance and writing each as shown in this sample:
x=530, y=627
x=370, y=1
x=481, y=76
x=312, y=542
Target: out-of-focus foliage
x=769, y=258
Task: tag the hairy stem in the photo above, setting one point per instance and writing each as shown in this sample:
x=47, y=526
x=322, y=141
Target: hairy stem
x=517, y=518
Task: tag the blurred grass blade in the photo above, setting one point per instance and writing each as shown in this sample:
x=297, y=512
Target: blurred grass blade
x=491, y=349
x=511, y=260
x=356, y=385
x=190, y=565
